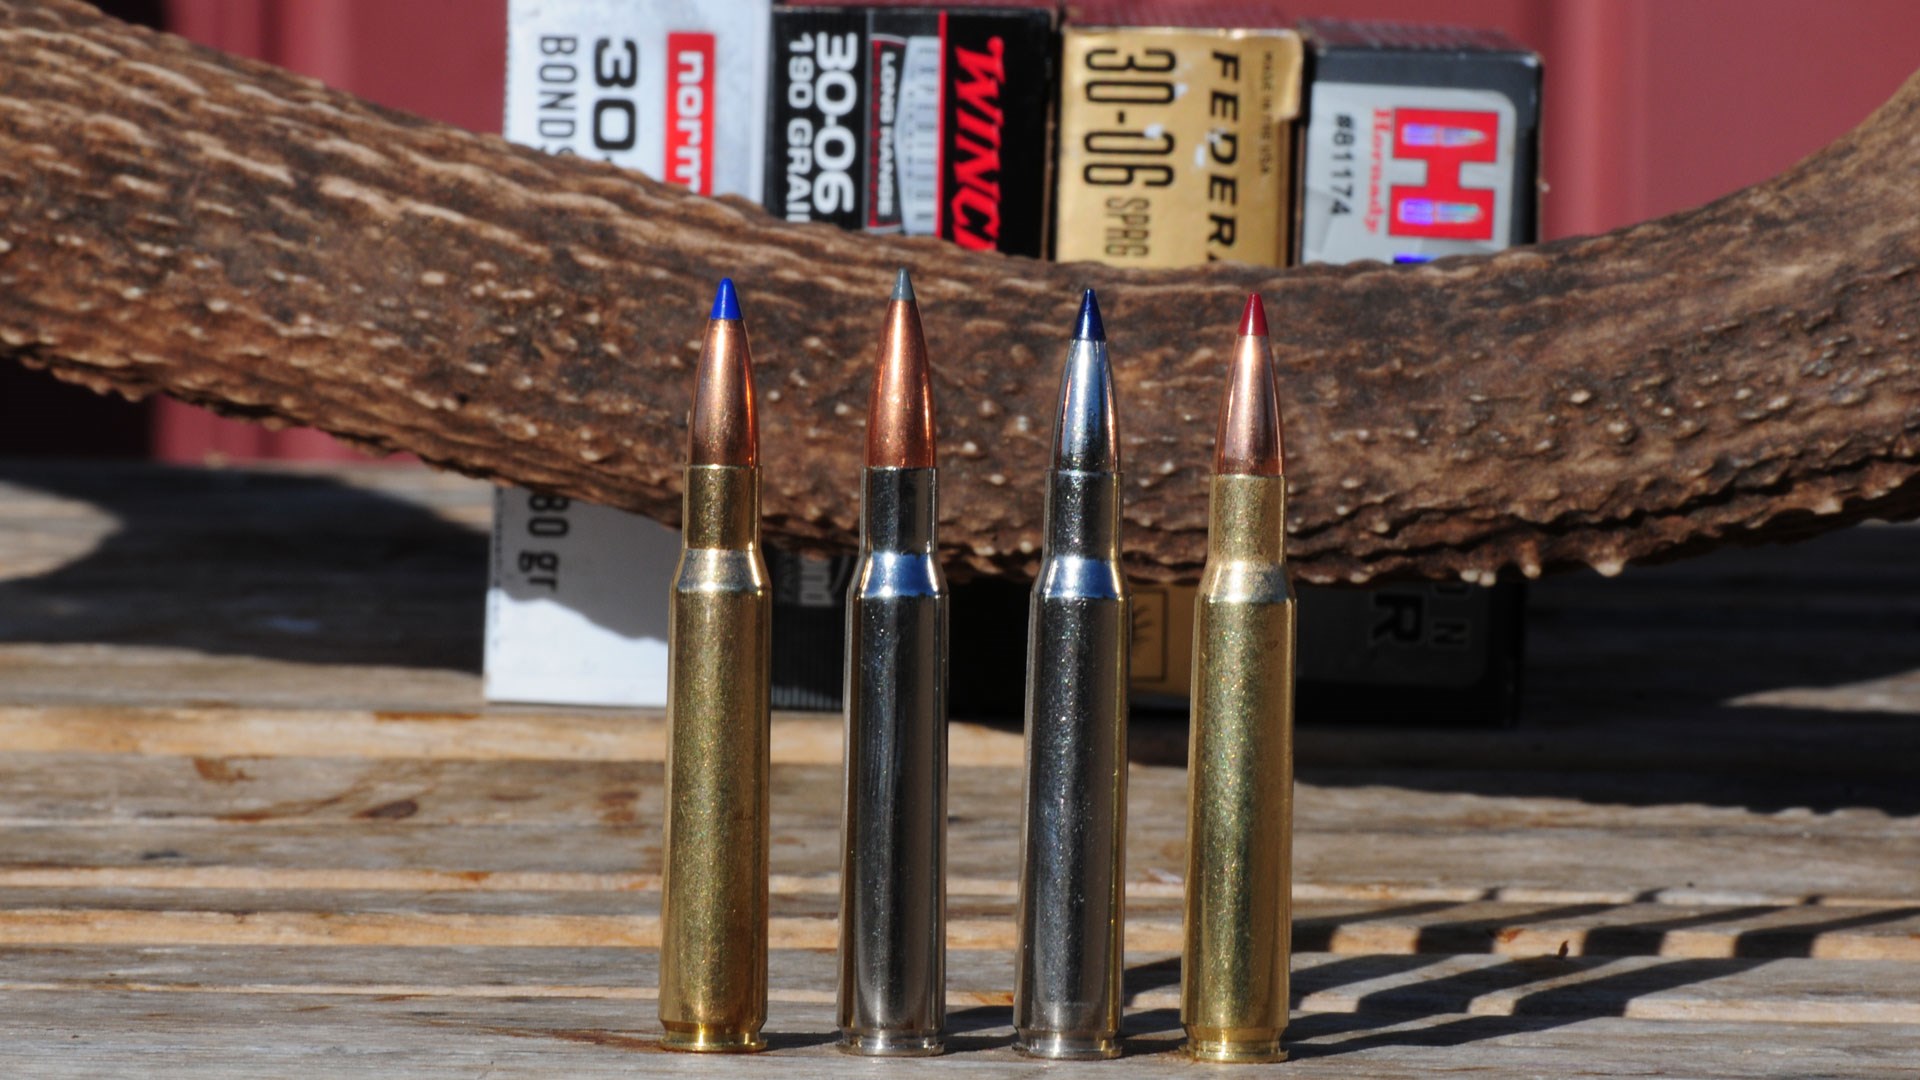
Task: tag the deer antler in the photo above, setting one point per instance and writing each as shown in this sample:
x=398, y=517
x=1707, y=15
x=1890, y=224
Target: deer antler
x=176, y=220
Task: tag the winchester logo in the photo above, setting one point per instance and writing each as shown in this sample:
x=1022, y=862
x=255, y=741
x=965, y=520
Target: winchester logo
x=974, y=205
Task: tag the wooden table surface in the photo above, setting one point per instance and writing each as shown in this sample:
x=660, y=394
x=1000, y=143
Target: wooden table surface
x=258, y=823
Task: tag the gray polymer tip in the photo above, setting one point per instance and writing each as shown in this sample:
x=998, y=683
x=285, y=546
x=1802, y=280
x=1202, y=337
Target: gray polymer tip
x=902, y=286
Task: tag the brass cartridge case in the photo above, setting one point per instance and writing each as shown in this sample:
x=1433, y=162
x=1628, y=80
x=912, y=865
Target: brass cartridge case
x=713, y=901
x=1233, y=981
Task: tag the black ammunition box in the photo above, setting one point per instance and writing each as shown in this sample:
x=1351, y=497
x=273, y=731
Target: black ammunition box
x=924, y=121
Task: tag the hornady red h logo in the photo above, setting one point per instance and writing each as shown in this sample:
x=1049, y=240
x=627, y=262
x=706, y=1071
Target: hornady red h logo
x=1446, y=139
x=974, y=206
x=690, y=111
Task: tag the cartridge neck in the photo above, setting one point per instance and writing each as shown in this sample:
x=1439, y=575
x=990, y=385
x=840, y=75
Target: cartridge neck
x=1083, y=515
x=897, y=510
x=721, y=508
x=1246, y=519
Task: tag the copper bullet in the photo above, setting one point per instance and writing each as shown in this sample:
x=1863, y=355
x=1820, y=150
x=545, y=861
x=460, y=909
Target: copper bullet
x=900, y=409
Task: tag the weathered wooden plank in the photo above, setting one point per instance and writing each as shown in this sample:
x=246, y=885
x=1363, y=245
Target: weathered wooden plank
x=106, y=668
x=472, y=735
x=1412, y=865
x=1329, y=865
x=496, y=815
x=1733, y=990
x=52, y=787
x=244, y=709
x=212, y=1035
x=806, y=919
x=1584, y=715
x=1843, y=761
x=165, y=875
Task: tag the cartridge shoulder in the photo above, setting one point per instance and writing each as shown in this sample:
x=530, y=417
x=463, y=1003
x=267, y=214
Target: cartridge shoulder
x=903, y=575
x=1080, y=578
x=1245, y=581
x=722, y=570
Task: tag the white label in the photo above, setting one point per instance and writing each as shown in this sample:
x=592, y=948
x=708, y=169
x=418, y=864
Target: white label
x=577, y=614
x=577, y=608
x=674, y=88
x=1406, y=173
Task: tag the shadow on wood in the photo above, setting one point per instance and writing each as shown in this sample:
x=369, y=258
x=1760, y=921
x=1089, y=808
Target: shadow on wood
x=269, y=564
x=1606, y=996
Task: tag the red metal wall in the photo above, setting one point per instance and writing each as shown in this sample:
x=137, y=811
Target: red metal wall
x=1651, y=105
x=1654, y=106
x=445, y=59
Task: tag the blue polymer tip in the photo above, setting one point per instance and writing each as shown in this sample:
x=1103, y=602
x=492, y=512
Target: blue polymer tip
x=725, y=304
x=1090, y=328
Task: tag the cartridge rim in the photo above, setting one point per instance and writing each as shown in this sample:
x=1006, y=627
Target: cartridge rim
x=1060, y=1046
x=1235, y=1051
x=884, y=1044
x=701, y=1039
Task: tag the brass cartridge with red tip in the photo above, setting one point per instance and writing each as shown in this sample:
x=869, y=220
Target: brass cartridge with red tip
x=1238, y=917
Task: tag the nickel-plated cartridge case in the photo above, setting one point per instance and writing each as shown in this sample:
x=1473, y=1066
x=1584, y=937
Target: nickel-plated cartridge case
x=713, y=905
x=892, y=992
x=1233, y=992
x=893, y=870
x=1066, y=997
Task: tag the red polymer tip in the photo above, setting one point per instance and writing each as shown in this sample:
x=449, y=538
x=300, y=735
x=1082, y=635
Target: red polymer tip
x=1253, y=321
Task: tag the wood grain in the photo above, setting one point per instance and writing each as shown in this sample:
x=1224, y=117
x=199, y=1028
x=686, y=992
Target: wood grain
x=179, y=221
x=1642, y=987
x=230, y=851
x=329, y=912
x=216, y=1035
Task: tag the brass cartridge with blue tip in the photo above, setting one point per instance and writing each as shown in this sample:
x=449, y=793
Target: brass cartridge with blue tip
x=713, y=892
x=1066, y=997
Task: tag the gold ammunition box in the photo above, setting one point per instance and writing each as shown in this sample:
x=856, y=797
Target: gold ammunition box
x=1176, y=144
